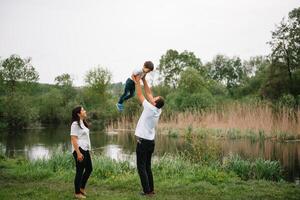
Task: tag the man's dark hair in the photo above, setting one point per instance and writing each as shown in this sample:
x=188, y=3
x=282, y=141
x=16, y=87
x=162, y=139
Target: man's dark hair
x=149, y=65
x=160, y=102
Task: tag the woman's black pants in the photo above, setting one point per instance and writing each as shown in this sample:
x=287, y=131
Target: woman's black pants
x=83, y=170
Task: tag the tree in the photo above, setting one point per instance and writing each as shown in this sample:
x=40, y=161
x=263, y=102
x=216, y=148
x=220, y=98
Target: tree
x=96, y=92
x=52, y=107
x=192, y=92
x=64, y=80
x=257, y=70
x=277, y=81
x=14, y=70
x=65, y=83
x=173, y=63
x=285, y=46
x=98, y=79
x=228, y=71
x=191, y=81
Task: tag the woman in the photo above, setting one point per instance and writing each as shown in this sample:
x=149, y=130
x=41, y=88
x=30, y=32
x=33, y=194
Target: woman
x=81, y=146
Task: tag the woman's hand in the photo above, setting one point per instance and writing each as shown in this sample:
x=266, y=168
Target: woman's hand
x=80, y=157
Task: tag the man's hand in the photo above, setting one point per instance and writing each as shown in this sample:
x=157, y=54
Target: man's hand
x=137, y=79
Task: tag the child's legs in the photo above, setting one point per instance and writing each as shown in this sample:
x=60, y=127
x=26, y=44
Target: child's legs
x=128, y=92
x=131, y=93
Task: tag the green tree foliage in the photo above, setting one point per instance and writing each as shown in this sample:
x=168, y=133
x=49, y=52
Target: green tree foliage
x=191, y=81
x=173, y=63
x=65, y=83
x=16, y=73
x=228, y=71
x=98, y=79
x=51, y=107
x=64, y=80
x=96, y=91
x=285, y=54
x=15, y=70
x=277, y=81
x=97, y=96
x=18, y=111
x=257, y=69
x=192, y=92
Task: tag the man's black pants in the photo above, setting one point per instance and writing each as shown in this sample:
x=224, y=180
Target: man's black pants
x=144, y=151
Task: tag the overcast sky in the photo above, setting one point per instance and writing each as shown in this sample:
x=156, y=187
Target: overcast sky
x=73, y=36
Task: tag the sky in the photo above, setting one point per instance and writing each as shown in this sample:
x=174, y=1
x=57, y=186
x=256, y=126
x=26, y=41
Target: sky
x=75, y=36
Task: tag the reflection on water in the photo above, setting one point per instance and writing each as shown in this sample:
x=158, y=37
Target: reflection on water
x=35, y=144
x=37, y=152
x=116, y=152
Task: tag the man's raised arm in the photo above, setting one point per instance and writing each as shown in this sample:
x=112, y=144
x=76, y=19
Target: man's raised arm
x=148, y=92
x=139, y=92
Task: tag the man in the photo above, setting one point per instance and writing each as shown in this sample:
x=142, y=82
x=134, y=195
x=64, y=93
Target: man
x=145, y=133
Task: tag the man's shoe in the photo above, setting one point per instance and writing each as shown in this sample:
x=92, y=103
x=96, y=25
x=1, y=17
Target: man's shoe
x=150, y=194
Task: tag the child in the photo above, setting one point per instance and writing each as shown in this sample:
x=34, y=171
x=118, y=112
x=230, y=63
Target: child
x=130, y=83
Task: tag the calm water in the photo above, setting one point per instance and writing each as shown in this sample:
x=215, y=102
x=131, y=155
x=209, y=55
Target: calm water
x=120, y=145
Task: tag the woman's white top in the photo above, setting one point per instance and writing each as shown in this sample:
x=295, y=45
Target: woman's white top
x=83, y=135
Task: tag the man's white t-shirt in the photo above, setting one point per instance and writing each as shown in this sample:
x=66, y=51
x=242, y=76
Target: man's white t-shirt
x=82, y=134
x=138, y=72
x=146, y=125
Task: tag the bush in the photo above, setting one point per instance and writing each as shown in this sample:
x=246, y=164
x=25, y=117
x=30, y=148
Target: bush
x=266, y=169
x=182, y=101
x=241, y=167
x=201, y=150
x=258, y=169
x=287, y=100
x=104, y=167
x=18, y=112
x=51, y=107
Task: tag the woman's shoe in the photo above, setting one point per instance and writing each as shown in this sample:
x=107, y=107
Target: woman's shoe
x=83, y=192
x=80, y=196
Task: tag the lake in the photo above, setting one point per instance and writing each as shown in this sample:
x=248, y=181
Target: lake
x=120, y=145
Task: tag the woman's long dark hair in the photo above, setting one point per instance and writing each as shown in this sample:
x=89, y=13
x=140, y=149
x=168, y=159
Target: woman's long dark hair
x=76, y=118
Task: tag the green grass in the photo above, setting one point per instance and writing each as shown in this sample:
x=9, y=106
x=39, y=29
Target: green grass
x=175, y=178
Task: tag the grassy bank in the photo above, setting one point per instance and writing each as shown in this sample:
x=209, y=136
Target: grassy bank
x=232, y=134
x=175, y=178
